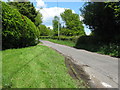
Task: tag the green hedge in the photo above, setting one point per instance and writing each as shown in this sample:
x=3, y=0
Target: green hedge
x=71, y=38
x=17, y=30
x=95, y=44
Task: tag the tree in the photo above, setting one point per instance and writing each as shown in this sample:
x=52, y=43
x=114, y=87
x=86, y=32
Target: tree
x=17, y=30
x=73, y=22
x=55, y=24
x=38, y=19
x=103, y=19
x=25, y=8
x=43, y=30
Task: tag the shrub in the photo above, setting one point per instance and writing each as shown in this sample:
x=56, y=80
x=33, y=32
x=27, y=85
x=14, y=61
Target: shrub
x=110, y=49
x=95, y=44
x=87, y=40
x=18, y=30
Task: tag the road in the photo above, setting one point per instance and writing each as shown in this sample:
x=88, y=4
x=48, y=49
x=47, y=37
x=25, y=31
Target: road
x=102, y=69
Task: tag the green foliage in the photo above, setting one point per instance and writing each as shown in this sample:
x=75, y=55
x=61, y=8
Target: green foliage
x=103, y=19
x=44, y=31
x=55, y=25
x=66, y=32
x=73, y=23
x=25, y=8
x=110, y=49
x=38, y=19
x=63, y=38
x=94, y=44
x=18, y=30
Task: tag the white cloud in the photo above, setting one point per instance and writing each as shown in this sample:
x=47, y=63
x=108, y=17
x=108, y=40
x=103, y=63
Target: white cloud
x=40, y=3
x=81, y=18
x=87, y=30
x=49, y=14
x=51, y=27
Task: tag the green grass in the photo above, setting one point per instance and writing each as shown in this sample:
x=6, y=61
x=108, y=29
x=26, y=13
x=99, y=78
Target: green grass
x=63, y=42
x=35, y=67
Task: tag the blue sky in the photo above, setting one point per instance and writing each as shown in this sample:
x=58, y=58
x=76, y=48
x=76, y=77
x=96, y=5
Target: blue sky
x=72, y=5
x=51, y=9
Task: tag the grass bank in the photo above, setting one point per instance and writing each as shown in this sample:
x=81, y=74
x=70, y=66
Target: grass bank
x=63, y=42
x=35, y=67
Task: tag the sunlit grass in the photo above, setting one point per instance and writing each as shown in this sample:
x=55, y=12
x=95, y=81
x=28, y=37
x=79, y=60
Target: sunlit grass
x=63, y=42
x=35, y=67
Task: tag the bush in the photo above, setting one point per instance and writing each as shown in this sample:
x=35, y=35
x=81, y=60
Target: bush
x=87, y=40
x=110, y=49
x=18, y=30
x=95, y=44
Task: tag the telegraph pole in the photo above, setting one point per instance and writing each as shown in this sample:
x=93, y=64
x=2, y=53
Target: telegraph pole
x=58, y=23
x=58, y=28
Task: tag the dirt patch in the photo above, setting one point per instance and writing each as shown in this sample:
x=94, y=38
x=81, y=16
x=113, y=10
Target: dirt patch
x=77, y=72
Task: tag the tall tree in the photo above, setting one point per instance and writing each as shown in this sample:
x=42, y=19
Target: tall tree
x=103, y=19
x=73, y=22
x=26, y=8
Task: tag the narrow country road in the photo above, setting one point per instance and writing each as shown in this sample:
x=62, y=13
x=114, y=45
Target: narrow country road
x=102, y=69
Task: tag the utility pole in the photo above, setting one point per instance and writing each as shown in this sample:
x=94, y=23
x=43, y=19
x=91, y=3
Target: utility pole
x=58, y=22
x=58, y=28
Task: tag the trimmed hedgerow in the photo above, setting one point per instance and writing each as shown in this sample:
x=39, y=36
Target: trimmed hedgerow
x=17, y=30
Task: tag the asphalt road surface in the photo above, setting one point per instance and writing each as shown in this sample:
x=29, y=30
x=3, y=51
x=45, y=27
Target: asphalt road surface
x=102, y=69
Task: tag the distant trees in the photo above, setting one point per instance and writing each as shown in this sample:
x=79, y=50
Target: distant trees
x=56, y=24
x=103, y=19
x=44, y=31
x=17, y=29
x=73, y=24
x=38, y=19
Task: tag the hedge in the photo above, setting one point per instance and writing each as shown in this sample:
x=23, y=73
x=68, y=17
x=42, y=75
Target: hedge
x=71, y=38
x=17, y=30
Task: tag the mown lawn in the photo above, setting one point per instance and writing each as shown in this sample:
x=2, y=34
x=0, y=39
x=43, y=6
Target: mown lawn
x=35, y=67
x=66, y=42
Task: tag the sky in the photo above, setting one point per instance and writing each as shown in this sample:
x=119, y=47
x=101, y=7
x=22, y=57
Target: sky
x=51, y=8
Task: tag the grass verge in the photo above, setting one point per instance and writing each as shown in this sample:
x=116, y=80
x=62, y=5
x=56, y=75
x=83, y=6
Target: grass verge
x=35, y=67
x=66, y=42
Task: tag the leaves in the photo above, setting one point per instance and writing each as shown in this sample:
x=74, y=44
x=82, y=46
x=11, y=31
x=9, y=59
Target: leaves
x=18, y=30
x=73, y=23
x=102, y=19
x=25, y=8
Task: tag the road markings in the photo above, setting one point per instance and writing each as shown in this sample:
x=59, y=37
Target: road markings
x=106, y=85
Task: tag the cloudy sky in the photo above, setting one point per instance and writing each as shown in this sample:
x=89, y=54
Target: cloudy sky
x=51, y=8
